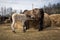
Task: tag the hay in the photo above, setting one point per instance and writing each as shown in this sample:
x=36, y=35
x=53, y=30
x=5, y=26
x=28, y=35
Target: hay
x=55, y=19
x=47, y=21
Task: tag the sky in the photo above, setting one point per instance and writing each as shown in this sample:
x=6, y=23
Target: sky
x=26, y=4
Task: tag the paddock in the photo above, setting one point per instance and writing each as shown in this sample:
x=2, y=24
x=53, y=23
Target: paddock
x=50, y=33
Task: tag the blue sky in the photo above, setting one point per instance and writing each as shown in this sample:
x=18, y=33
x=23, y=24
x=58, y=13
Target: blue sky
x=26, y=4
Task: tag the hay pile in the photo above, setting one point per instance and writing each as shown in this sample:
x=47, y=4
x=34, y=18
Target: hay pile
x=55, y=19
x=47, y=21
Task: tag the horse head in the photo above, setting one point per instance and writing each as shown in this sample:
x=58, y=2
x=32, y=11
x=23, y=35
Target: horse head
x=38, y=13
x=29, y=14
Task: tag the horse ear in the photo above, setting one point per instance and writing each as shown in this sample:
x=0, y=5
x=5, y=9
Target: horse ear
x=25, y=11
x=34, y=10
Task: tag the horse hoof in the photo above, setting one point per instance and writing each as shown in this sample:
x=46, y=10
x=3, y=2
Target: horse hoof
x=14, y=32
x=40, y=29
x=24, y=31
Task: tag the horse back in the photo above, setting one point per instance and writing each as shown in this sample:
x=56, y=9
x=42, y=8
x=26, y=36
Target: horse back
x=19, y=16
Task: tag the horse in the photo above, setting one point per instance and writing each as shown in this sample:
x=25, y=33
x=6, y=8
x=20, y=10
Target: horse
x=41, y=19
x=27, y=15
x=38, y=17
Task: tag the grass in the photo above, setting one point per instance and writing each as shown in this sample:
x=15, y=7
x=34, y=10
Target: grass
x=31, y=34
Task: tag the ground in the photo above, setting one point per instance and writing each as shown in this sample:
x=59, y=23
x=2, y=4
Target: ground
x=51, y=33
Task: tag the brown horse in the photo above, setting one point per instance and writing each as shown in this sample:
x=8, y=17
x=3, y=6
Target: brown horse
x=38, y=15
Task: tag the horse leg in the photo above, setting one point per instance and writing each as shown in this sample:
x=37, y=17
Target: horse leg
x=12, y=26
x=41, y=25
x=24, y=27
x=27, y=24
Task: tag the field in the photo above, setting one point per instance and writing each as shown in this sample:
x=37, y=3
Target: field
x=51, y=33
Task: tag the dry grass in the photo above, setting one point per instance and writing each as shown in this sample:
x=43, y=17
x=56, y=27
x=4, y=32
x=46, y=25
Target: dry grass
x=31, y=34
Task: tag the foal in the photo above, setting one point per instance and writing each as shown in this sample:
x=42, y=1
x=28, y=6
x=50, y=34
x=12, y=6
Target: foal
x=27, y=15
